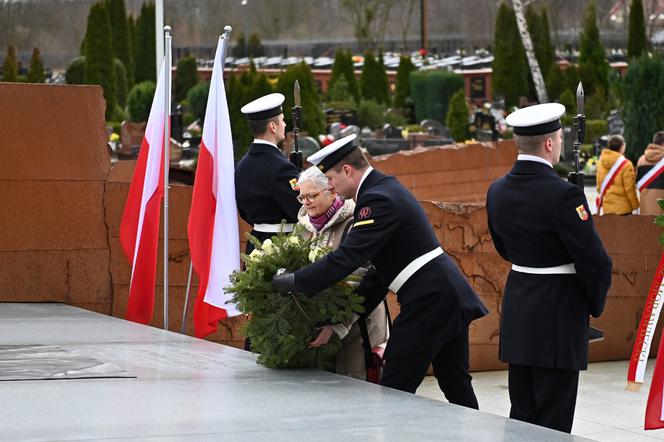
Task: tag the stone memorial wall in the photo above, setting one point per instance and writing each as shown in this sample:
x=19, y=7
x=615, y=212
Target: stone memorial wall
x=62, y=203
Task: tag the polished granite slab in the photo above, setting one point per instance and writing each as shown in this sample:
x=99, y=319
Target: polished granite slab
x=191, y=389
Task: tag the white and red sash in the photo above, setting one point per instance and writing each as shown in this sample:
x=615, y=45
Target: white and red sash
x=646, y=331
x=620, y=163
x=652, y=174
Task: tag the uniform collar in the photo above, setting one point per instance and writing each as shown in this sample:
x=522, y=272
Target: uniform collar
x=259, y=141
x=525, y=157
x=364, y=177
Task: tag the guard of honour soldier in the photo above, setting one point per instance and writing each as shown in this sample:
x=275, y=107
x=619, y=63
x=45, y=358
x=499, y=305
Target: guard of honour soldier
x=541, y=224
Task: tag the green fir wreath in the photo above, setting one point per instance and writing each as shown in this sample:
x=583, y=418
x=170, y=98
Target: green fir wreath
x=281, y=326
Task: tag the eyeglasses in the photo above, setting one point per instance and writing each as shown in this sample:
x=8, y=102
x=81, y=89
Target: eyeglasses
x=308, y=197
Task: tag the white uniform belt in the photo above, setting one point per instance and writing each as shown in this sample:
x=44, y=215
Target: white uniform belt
x=413, y=267
x=565, y=269
x=273, y=228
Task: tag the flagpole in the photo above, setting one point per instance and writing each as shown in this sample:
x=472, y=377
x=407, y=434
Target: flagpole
x=159, y=35
x=226, y=36
x=167, y=158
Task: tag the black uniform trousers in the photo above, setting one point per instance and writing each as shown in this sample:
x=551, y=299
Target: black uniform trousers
x=450, y=367
x=543, y=396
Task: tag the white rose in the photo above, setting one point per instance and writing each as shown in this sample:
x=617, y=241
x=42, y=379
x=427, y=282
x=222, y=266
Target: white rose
x=255, y=255
x=267, y=247
x=314, y=254
x=294, y=240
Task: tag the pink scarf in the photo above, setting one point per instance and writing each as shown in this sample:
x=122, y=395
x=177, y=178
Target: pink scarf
x=320, y=221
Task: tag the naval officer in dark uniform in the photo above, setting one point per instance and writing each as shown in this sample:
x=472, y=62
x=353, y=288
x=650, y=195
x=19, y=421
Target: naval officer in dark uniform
x=265, y=181
x=560, y=272
x=392, y=231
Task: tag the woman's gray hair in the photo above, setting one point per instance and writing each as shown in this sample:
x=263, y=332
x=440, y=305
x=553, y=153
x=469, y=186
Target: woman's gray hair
x=314, y=174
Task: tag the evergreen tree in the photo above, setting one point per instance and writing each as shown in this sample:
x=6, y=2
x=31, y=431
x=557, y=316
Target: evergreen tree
x=36, y=70
x=254, y=46
x=313, y=119
x=120, y=34
x=643, y=108
x=402, y=87
x=343, y=66
x=538, y=28
x=383, y=83
x=98, y=57
x=186, y=76
x=197, y=98
x=572, y=78
x=510, y=69
x=370, y=80
x=239, y=48
x=241, y=135
x=75, y=73
x=10, y=65
x=593, y=67
x=121, y=82
x=131, y=42
x=340, y=92
x=457, y=116
x=146, y=50
x=555, y=82
x=637, y=42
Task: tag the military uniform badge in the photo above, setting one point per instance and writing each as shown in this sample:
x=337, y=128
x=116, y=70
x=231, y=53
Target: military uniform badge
x=581, y=211
x=293, y=184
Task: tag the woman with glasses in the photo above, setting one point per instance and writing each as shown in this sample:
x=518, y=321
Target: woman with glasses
x=326, y=216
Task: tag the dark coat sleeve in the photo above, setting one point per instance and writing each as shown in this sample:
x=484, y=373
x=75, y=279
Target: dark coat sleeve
x=373, y=289
x=284, y=194
x=592, y=263
x=497, y=240
x=364, y=240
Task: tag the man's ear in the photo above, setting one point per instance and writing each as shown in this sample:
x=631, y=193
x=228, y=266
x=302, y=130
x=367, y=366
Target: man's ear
x=548, y=144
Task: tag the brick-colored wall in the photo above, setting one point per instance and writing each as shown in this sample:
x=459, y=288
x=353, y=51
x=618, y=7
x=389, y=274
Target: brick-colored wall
x=453, y=173
x=53, y=241
x=62, y=203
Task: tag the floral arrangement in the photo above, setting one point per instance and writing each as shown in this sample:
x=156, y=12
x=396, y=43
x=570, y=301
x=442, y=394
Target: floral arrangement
x=281, y=326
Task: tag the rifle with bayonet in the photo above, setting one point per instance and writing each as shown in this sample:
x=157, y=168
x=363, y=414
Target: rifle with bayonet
x=296, y=155
x=576, y=177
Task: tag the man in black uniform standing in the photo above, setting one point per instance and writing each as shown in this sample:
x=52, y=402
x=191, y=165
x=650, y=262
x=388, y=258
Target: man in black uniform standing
x=392, y=231
x=560, y=272
x=265, y=181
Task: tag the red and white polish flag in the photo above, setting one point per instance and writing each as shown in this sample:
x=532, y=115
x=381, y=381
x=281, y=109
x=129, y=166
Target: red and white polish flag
x=214, y=240
x=139, y=228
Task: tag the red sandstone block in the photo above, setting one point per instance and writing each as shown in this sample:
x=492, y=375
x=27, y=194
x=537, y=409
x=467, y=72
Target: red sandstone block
x=59, y=132
x=69, y=276
x=52, y=215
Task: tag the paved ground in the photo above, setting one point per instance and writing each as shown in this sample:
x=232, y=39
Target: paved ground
x=604, y=411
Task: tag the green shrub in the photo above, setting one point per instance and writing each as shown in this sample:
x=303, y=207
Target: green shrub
x=98, y=62
x=402, y=86
x=139, y=101
x=10, y=65
x=457, y=116
x=643, y=103
x=370, y=114
x=197, y=98
x=395, y=117
x=121, y=82
x=595, y=129
x=432, y=91
x=75, y=73
x=313, y=120
x=340, y=91
x=36, y=71
x=186, y=76
x=372, y=85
